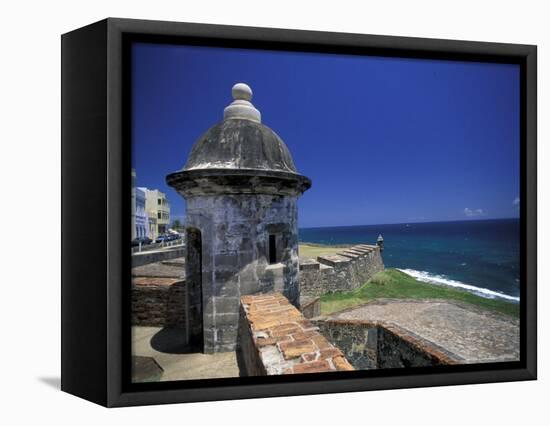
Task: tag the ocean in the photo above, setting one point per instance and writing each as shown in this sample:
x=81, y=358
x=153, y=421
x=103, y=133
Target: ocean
x=480, y=256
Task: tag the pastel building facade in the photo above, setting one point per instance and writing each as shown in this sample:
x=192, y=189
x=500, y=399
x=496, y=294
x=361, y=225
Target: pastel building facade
x=133, y=204
x=141, y=220
x=157, y=208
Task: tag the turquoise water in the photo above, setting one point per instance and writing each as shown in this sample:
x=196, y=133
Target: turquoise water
x=481, y=256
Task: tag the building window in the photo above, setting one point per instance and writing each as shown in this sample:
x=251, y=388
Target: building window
x=272, y=249
x=159, y=215
x=159, y=201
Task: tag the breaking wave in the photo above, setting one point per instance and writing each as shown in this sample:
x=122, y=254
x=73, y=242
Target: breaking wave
x=442, y=280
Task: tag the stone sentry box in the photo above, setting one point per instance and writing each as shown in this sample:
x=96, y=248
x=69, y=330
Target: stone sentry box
x=241, y=190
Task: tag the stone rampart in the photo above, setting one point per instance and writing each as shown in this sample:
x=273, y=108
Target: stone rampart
x=344, y=271
x=158, y=302
x=160, y=296
x=275, y=338
x=373, y=344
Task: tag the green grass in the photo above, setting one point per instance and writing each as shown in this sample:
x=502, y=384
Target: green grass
x=314, y=250
x=394, y=284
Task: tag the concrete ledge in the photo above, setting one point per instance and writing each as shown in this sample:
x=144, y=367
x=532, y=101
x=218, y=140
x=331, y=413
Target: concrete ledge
x=155, y=281
x=349, y=254
x=309, y=265
x=366, y=247
x=275, y=339
x=360, y=252
x=333, y=260
x=146, y=257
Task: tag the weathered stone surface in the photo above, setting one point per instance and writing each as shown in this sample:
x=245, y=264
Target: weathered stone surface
x=303, y=335
x=367, y=246
x=164, y=269
x=155, y=256
x=312, y=367
x=342, y=364
x=404, y=333
x=309, y=264
x=321, y=342
x=296, y=348
x=329, y=353
x=333, y=260
x=350, y=255
x=231, y=225
x=358, y=341
x=268, y=152
x=310, y=306
x=159, y=301
x=291, y=345
x=241, y=187
x=359, y=250
x=285, y=329
x=346, y=271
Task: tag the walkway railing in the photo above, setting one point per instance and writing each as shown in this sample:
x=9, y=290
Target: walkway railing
x=157, y=246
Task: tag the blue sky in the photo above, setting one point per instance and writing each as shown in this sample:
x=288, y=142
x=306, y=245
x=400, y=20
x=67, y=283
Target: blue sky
x=384, y=140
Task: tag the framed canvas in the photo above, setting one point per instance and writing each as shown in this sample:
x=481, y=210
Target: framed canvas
x=276, y=212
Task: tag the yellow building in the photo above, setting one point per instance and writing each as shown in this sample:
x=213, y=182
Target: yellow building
x=152, y=231
x=158, y=211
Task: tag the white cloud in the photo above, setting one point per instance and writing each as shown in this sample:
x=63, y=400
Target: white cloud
x=474, y=212
x=516, y=201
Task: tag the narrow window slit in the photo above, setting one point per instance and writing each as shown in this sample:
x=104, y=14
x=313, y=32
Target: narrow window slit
x=272, y=249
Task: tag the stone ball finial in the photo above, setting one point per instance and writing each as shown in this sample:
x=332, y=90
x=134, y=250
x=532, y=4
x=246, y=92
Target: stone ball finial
x=241, y=107
x=241, y=91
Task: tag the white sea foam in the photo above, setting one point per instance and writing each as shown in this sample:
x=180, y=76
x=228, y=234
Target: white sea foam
x=442, y=280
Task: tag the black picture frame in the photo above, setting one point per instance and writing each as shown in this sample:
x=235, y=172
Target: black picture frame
x=96, y=180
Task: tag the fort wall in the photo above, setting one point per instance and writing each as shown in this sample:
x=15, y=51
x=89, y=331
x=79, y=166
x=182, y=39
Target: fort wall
x=344, y=271
x=275, y=338
x=160, y=296
x=159, y=302
x=372, y=344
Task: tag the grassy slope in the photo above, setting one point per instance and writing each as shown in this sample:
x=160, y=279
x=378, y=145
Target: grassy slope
x=394, y=284
x=314, y=250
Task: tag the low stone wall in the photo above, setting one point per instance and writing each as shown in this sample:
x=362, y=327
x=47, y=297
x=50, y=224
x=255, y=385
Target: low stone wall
x=158, y=302
x=398, y=348
x=358, y=341
x=275, y=338
x=154, y=256
x=310, y=307
x=347, y=270
x=371, y=345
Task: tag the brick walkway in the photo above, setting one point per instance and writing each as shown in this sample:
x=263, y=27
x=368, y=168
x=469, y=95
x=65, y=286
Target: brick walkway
x=285, y=341
x=470, y=333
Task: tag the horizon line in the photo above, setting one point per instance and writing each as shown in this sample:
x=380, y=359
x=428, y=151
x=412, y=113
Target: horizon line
x=409, y=223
